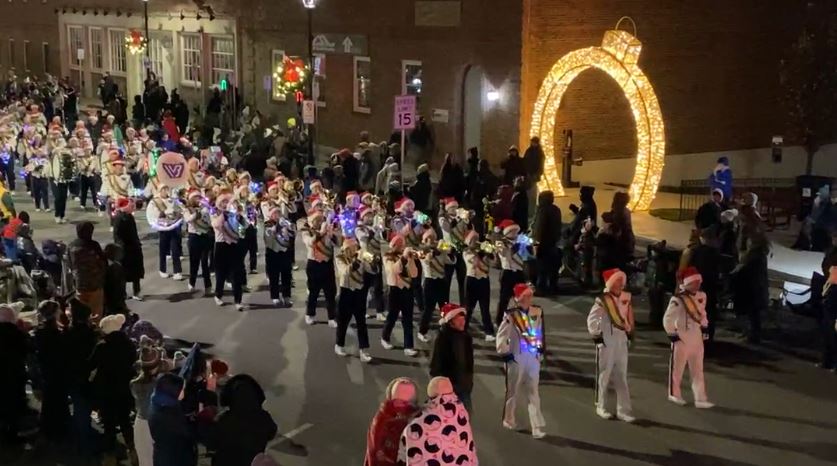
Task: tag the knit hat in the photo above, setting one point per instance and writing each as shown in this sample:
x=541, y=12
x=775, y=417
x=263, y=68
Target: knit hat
x=404, y=204
x=719, y=191
x=449, y=311
x=521, y=289
x=112, y=323
x=145, y=329
x=450, y=203
x=396, y=242
x=690, y=275
x=508, y=227
x=423, y=168
x=472, y=238
x=611, y=276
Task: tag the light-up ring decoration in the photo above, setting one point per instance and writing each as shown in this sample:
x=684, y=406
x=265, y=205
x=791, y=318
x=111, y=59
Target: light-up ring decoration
x=618, y=57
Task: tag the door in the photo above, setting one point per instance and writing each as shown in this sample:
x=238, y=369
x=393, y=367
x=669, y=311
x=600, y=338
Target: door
x=472, y=109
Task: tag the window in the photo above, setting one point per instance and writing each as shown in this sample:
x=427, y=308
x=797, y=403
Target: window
x=156, y=52
x=362, y=84
x=26, y=55
x=11, y=53
x=223, y=59
x=45, y=56
x=76, y=41
x=276, y=57
x=118, y=60
x=411, y=77
x=190, y=52
x=97, y=48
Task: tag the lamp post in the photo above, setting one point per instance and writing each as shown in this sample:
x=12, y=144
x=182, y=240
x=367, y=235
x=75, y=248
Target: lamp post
x=147, y=63
x=309, y=6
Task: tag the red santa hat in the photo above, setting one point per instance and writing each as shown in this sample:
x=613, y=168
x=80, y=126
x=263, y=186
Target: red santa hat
x=314, y=201
x=450, y=203
x=193, y=193
x=404, y=204
x=449, y=311
x=274, y=212
x=366, y=198
x=272, y=186
x=521, y=289
x=472, y=238
x=611, y=276
x=689, y=275
x=315, y=215
x=508, y=227
x=352, y=199
x=396, y=241
x=123, y=203
x=364, y=211
x=315, y=185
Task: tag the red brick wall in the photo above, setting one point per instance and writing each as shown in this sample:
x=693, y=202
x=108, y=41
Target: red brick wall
x=713, y=64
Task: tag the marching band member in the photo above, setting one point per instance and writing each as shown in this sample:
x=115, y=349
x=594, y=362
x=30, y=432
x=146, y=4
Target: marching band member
x=371, y=238
x=37, y=170
x=133, y=162
x=166, y=217
x=611, y=323
x=278, y=236
x=455, y=223
x=246, y=200
x=199, y=241
x=117, y=183
x=320, y=241
x=521, y=339
x=687, y=326
x=477, y=282
x=401, y=270
x=270, y=199
x=63, y=169
x=229, y=262
x=434, y=258
x=88, y=169
x=196, y=178
x=405, y=224
x=289, y=199
x=352, y=264
x=511, y=262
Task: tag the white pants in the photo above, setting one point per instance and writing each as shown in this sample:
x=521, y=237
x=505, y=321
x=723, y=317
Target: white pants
x=143, y=442
x=689, y=352
x=522, y=379
x=612, y=365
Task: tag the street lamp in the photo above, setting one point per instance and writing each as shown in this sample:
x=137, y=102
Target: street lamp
x=147, y=63
x=309, y=6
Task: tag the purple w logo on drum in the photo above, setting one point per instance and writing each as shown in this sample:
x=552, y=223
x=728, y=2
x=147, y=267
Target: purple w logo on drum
x=173, y=170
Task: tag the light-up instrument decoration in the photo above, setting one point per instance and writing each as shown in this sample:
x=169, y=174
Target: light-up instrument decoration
x=618, y=56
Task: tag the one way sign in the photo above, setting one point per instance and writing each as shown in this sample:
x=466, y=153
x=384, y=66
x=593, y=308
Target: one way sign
x=352, y=44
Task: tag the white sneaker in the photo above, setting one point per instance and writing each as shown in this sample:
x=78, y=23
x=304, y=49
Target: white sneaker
x=288, y=302
x=177, y=277
x=47, y=210
x=240, y=307
x=219, y=302
x=704, y=405
x=338, y=350
x=37, y=210
x=382, y=317
x=332, y=323
x=603, y=413
x=164, y=275
x=275, y=302
x=295, y=267
x=63, y=220
x=625, y=418
x=309, y=320
x=387, y=345
x=423, y=338
x=490, y=338
x=76, y=199
x=110, y=229
x=538, y=434
x=365, y=357
x=189, y=287
x=508, y=426
x=136, y=297
x=57, y=220
x=410, y=352
x=677, y=401
x=371, y=316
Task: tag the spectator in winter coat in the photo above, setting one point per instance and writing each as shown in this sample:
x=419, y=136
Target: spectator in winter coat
x=451, y=180
x=420, y=191
x=126, y=236
x=520, y=205
x=138, y=113
x=13, y=353
x=709, y=214
x=750, y=284
x=453, y=353
x=533, y=161
x=81, y=341
x=88, y=262
x=53, y=359
x=114, y=286
x=170, y=127
x=384, y=434
x=381, y=183
x=513, y=166
x=546, y=231
x=175, y=437
x=10, y=234
x=721, y=178
x=503, y=208
x=243, y=431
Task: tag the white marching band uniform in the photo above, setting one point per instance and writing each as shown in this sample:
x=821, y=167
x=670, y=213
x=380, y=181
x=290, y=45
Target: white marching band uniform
x=611, y=323
x=164, y=214
x=686, y=324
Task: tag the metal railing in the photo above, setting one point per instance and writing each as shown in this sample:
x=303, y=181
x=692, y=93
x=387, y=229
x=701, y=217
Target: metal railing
x=777, y=197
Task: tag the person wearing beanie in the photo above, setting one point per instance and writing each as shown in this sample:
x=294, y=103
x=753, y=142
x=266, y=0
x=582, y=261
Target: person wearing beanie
x=393, y=415
x=199, y=239
x=709, y=214
x=686, y=323
x=228, y=261
x=477, y=282
x=174, y=436
x=421, y=189
x=721, y=177
x=521, y=340
x=455, y=223
x=511, y=263
x=278, y=262
x=352, y=266
x=400, y=271
x=320, y=238
x=453, y=352
x=151, y=364
x=611, y=325
x=126, y=235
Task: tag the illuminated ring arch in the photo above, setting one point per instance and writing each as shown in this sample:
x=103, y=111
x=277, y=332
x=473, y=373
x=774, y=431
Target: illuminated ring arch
x=617, y=57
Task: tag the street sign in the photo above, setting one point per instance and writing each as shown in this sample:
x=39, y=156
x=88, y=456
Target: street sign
x=352, y=44
x=80, y=54
x=146, y=63
x=267, y=82
x=404, y=116
x=308, y=111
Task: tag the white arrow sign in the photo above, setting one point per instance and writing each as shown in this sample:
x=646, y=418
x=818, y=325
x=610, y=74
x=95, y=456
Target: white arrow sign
x=348, y=45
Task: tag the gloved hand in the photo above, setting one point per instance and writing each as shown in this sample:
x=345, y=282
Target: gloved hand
x=674, y=338
x=705, y=332
x=598, y=340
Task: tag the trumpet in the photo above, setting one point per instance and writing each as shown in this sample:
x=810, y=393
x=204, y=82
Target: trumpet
x=444, y=246
x=487, y=247
x=366, y=257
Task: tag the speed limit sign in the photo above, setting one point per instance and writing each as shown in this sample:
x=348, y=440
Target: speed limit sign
x=404, y=116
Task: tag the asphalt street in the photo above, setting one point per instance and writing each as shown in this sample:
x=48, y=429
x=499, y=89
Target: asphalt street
x=772, y=408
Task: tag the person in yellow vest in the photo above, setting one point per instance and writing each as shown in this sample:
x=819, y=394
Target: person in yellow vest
x=611, y=324
x=687, y=326
x=7, y=204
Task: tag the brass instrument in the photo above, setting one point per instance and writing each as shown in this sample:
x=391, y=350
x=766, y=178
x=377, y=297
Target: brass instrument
x=366, y=257
x=487, y=247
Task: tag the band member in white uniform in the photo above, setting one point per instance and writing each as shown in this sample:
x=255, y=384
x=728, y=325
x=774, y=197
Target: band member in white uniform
x=320, y=239
x=611, y=324
x=477, y=283
x=687, y=326
x=278, y=235
x=229, y=262
x=199, y=240
x=165, y=216
x=352, y=263
x=521, y=341
x=371, y=238
x=400, y=271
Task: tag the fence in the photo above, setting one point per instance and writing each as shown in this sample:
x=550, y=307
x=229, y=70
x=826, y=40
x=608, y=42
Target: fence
x=778, y=197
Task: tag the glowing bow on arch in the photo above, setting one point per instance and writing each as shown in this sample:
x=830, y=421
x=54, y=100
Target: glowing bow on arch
x=618, y=57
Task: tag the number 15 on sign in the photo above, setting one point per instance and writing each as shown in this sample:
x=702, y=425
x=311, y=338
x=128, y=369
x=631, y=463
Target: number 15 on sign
x=404, y=116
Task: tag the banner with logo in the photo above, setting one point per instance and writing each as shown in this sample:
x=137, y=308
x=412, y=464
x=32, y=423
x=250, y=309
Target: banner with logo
x=172, y=170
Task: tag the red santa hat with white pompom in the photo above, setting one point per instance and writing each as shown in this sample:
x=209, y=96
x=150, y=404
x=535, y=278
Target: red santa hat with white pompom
x=449, y=311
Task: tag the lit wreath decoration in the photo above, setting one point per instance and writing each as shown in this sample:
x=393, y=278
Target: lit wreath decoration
x=618, y=57
x=136, y=42
x=290, y=75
